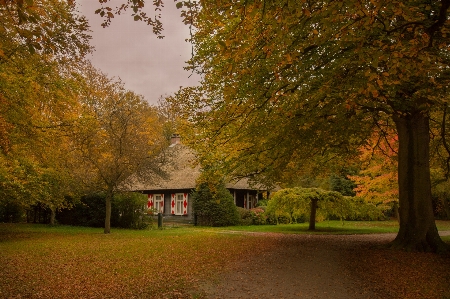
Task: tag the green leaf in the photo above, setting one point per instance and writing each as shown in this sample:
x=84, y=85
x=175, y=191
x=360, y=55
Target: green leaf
x=179, y=5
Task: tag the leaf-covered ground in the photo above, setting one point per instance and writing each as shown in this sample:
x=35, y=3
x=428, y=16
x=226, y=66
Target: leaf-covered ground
x=65, y=262
x=398, y=274
x=334, y=266
x=84, y=263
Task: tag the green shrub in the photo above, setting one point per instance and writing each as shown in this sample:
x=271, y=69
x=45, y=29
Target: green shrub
x=89, y=211
x=258, y=216
x=282, y=218
x=301, y=218
x=365, y=211
x=245, y=216
x=130, y=209
x=127, y=211
x=341, y=183
x=262, y=203
x=214, y=207
x=11, y=211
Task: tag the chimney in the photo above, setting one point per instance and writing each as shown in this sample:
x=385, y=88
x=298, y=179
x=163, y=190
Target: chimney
x=175, y=139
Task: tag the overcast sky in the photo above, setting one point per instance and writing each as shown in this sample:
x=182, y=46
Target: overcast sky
x=127, y=49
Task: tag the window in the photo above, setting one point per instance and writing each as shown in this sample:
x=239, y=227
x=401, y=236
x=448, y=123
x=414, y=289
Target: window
x=155, y=203
x=251, y=201
x=179, y=204
x=159, y=203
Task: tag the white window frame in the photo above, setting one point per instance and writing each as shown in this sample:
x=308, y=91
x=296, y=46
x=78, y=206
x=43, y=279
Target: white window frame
x=179, y=202
x=158, y=202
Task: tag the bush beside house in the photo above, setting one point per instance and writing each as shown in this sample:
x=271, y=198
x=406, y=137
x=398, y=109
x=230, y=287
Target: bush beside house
x=127, y=211
x=214, y=206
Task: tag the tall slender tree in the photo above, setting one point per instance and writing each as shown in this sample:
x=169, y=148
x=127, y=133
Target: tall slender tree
x=117, y=137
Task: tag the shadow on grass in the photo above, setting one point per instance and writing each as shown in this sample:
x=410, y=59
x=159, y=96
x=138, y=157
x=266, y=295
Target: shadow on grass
x=326, y=227
x=28, y=231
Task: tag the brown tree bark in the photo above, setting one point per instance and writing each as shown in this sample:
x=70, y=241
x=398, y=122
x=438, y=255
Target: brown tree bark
x=418, y=230
x=108, y=199
x=52, y=216
x=396, y=214
x=312, y=216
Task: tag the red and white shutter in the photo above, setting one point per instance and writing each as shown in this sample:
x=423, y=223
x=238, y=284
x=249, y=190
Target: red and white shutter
x=150, y=202
x=185, y=203
x=173, y=204
x=161, y=205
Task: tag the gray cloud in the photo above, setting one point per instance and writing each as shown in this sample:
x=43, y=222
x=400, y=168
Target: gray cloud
x=127, y=49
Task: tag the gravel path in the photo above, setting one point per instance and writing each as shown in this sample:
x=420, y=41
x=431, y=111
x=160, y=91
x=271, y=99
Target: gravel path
x=302, y=266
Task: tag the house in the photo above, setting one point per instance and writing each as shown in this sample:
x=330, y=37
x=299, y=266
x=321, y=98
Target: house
x=170, y=195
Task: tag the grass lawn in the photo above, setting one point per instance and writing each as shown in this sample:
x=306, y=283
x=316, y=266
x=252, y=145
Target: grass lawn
x=39, y=261
x=332, y=227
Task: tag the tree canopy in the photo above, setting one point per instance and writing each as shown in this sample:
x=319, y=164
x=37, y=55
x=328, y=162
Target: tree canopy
x=116, y=137
x=288, y=81
x=65, y=128
x=38, y=96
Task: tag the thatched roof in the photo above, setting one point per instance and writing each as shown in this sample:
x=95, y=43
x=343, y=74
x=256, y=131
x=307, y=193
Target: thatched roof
x=182, y=173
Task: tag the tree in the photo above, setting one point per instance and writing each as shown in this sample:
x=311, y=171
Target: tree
x=138, y=13
x=294, y=79
x=117, y=137
x=170, y=116
x=305, y=201
x=441, y=193
x=377, y=180
x=38, y=99
x=213, y=204
x=342, y=184
x=50, y=27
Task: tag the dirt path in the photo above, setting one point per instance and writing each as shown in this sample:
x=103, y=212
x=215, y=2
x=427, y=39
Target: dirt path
x=307, y=266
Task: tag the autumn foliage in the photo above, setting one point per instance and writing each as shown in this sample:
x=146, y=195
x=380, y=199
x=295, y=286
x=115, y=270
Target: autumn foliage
x=377, y=181
x=66, y=129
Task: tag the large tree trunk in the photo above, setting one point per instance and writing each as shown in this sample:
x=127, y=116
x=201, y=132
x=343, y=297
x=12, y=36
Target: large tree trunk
x=418, y=230
x=108, y=199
